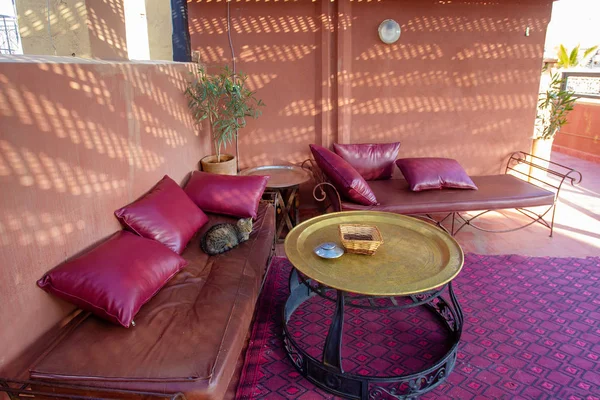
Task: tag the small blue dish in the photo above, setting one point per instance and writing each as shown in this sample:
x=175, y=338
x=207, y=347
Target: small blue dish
x=329, y=250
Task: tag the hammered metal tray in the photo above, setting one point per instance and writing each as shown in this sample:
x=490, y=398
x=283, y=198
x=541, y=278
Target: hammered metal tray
x=281, y=176
x=416, y=257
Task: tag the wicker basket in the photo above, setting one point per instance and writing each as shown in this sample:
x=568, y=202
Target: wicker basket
x=360, y=239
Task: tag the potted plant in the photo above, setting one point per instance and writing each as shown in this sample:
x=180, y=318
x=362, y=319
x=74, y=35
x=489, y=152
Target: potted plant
x=554, y=105
x=225, y=100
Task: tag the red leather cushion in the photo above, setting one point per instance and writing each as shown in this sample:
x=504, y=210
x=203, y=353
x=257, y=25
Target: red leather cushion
x=165, y=214
x=114, y=279
x=343, y=176
x=372, y=161
x=237, y=196
x=434, y=173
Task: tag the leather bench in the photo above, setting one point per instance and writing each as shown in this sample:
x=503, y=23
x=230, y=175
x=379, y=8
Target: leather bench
x=514, y=189
x=187, y=339
x=495, y=192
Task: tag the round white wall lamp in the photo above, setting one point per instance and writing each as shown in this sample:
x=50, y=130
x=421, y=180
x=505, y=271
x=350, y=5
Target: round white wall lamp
x=389, y=31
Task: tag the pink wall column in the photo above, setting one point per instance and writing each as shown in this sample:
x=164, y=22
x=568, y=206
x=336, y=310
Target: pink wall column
x=106, y=25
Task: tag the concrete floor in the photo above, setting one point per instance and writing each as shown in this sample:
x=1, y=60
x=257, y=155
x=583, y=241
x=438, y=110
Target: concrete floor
x=576, y=225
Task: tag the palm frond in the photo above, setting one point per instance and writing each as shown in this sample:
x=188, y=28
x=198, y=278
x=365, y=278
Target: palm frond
x=563, y=57
x=573, y=58
x=589, y=51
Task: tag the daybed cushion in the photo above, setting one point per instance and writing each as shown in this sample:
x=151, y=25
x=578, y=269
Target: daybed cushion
x=434, y=173
x=187, y=338
x=165, y=213
x=237, y=196
x=343, y=176
x=373, y=161
x=495, y=192
x=114, y=279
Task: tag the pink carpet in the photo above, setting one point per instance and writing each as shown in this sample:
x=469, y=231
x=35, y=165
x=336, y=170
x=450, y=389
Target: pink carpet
x=532, y=331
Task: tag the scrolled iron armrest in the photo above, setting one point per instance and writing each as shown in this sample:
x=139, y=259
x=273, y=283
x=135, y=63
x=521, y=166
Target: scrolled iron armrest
x=320, y=179
x=550, y=169
x=323, y=195
x=576, y=179
x=559, y=171
x=310, y=166
x=307, y=165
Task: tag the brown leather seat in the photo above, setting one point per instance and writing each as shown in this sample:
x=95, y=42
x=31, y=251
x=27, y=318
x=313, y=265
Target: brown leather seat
x=495, y=192
x=186, y=339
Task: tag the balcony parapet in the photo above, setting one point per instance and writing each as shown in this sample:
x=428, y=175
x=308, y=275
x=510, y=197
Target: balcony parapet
x=584, y=84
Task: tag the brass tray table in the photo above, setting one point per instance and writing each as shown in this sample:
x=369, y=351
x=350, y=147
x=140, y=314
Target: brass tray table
x=413, y=267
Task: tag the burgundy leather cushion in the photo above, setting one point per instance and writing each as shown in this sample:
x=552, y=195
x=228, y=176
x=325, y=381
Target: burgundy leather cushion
x=165, y=214
x=434, y=173
x=237, y=196
x=372, y=161
x=114, y=279
x=343, y=176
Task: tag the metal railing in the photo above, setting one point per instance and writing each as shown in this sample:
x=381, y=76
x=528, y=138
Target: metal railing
x=10, y=40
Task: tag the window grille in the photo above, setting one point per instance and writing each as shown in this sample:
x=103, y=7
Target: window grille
x=10, y=39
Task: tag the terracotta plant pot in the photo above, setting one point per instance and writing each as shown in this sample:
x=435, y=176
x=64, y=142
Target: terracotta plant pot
x=540, y=148
x=227, y=166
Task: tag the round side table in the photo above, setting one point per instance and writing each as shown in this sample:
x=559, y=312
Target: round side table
x=412, y=268
x=284, y=182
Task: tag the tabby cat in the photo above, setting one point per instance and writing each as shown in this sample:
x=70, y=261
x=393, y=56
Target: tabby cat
x=224, y=237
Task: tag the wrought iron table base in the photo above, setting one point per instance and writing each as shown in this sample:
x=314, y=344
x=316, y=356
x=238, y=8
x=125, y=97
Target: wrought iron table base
x=329, y=375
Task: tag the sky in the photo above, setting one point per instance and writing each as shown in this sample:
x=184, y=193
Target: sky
x=574, y=22
x=6, y=7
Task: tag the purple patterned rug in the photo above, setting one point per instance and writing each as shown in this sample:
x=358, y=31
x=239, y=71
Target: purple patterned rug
x=532, y=331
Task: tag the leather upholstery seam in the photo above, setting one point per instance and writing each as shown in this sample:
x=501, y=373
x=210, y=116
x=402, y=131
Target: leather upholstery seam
x=116, y=317
x=237, y=296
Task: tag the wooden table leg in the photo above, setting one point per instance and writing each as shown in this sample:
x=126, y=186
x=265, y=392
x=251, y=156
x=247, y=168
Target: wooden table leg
x=285, y=206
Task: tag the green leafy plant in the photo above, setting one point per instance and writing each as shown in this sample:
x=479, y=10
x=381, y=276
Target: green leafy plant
x=225, y=100
x=569, y=59
x=553, y=107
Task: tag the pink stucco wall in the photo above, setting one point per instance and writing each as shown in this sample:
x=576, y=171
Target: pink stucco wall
x=461, y=82
x=78, y=140
x=581, y=135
